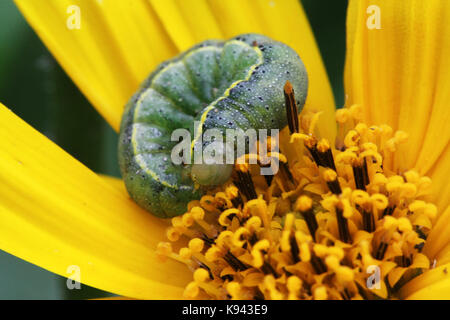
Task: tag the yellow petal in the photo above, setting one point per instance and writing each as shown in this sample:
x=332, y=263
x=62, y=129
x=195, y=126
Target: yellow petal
x=439, y=236
x=285, y=21
x=439, y=174
x=114, y=182
x=400, y=74
x=116, y=47
x=187, y=22
x=119, y=43
x=437, y=291
x=420, y=262
x=56, y=213
x=395, y=275
x=433, y=284
x=443, y=257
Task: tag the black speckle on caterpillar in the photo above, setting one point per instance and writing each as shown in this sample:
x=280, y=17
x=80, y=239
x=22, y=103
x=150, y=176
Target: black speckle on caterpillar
x=221, y=84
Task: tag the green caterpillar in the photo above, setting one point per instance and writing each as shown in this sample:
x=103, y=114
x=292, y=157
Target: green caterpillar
x=222, y=84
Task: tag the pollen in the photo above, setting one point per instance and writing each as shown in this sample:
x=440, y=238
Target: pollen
x=336, y=215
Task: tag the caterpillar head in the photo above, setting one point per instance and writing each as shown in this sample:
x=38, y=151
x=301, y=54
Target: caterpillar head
x=214, y=170
x=211, y=174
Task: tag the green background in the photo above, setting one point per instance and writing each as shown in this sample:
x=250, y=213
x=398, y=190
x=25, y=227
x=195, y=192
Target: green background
x=34, y=87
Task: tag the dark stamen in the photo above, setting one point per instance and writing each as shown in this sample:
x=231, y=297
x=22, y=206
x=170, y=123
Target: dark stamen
x=227, y=277
x=388, y=211
x=358, y=173
x=267, y=268
x=231, y=263
x=324, y=154
x=253, y=239
x=285, y=168
x=345, y=294
x=204, y=266
x=234, y=262
x=331, y=178
x=258, y=295
x=232, y=216
x=334, y=187
x=208, y=241
x=419, y=246
x=267, y=177
x=327, y=159
x=288, y=274
x=317, y=264
x=420, y=232
x=362, y=291
x=315, y=154
x=365, y=173
x=368, y=221
x=237, y=201
x=245, y=184
x=344, y=234
x=379, y=255
x=267, y=165
x=294, y=249
x=311, y=222
x=291, y=108
x=406, y=261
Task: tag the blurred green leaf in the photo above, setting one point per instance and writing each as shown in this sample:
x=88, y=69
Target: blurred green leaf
x=327, y=19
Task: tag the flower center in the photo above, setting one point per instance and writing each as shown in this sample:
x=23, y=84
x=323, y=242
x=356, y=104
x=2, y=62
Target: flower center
x=335, y=222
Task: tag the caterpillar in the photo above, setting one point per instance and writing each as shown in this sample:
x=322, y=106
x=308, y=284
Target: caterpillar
x=236, y=83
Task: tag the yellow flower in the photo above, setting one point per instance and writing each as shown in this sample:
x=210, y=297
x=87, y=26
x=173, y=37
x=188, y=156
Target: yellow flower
x=56, y=213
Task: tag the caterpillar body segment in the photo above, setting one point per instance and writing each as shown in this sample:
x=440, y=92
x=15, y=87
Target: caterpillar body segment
x=217, y=84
